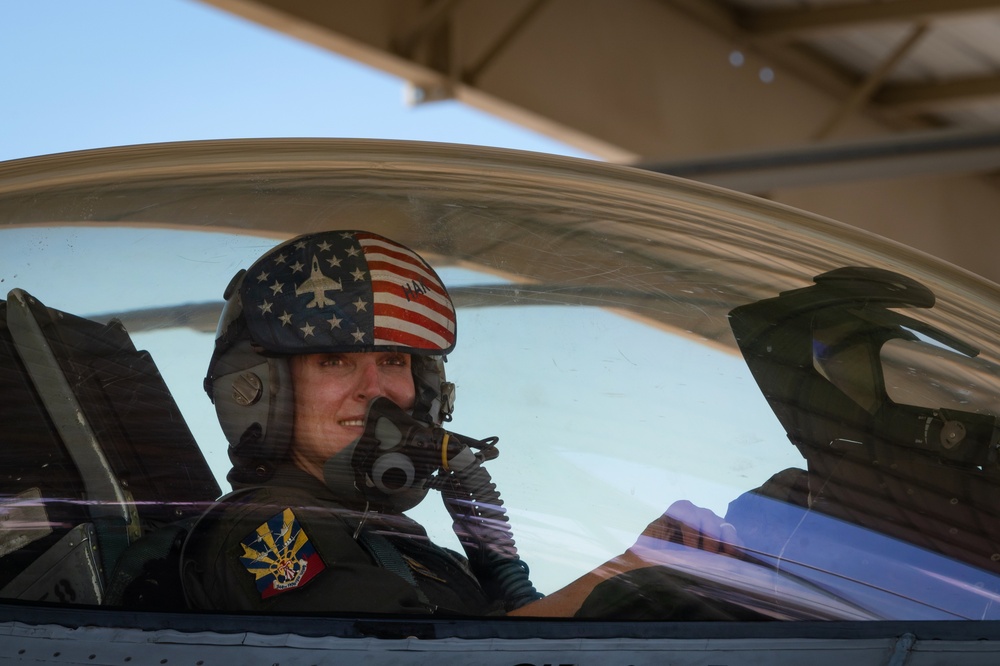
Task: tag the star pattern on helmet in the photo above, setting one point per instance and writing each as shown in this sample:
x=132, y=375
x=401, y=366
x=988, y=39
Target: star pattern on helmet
x=341, y=291
x=303, y=289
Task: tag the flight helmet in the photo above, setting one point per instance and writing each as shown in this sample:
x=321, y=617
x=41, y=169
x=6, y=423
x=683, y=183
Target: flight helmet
x=326, y=292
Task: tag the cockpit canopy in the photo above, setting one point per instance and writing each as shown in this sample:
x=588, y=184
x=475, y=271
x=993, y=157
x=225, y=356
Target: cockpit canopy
x=631, y=339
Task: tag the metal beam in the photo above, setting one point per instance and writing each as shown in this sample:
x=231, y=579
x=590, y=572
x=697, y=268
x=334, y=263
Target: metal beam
x=430, y=19
x=791, y=22
x=923, y=96
x=471, y=74
x=863, y=93
x=918, y=154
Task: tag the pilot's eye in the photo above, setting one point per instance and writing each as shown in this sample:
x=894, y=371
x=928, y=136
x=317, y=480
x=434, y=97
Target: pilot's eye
x=400, y=360
x=332, y=360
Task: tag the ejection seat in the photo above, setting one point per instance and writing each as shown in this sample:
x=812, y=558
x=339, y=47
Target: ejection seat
x=95, y=457
x=929, y=475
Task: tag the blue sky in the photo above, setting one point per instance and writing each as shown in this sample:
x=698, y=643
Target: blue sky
x=82, y=75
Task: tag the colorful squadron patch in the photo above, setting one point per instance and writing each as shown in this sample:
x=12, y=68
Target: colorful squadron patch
x=280, y=556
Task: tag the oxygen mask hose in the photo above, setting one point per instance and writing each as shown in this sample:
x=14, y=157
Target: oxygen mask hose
x=481, y=524
x=394, y=464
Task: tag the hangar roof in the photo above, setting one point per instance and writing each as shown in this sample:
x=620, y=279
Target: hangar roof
x=884, y=114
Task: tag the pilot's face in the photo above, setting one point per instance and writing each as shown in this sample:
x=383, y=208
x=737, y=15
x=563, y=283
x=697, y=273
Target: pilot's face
x=332, y=392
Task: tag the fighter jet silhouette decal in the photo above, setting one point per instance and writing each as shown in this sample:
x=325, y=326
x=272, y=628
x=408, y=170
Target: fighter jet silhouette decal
x=318, y=284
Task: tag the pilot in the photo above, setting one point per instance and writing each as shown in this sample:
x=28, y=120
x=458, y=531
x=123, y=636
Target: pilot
x=313, y=336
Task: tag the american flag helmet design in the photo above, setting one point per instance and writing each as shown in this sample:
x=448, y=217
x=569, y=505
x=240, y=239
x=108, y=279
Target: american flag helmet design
x=344, y=291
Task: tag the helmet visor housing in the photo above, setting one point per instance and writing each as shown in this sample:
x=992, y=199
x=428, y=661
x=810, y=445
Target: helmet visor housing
x=346, y=291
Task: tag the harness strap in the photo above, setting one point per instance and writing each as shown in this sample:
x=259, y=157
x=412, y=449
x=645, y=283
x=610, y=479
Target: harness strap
x=389, y=558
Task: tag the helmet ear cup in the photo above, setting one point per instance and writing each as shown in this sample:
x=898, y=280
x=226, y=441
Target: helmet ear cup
x=254, y=402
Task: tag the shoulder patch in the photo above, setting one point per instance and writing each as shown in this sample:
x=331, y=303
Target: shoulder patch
x=279, y=555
